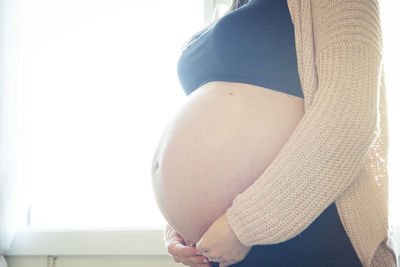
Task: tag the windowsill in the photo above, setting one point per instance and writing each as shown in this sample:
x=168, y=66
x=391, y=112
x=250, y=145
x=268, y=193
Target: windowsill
x=95, y=242
x=88, y=242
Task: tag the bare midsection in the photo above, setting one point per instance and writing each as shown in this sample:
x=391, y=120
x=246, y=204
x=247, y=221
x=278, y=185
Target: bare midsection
x=216, y=146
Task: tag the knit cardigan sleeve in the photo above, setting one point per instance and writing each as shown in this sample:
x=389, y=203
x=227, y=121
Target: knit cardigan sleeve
x=327, y=149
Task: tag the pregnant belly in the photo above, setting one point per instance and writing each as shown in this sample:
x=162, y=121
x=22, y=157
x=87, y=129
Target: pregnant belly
x=217, y=145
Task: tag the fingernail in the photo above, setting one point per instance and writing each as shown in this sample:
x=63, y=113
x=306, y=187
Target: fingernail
x=198, y=253
x=205, y=261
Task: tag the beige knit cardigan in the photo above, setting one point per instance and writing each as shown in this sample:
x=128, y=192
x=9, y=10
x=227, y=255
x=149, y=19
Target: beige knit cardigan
x=338, y=151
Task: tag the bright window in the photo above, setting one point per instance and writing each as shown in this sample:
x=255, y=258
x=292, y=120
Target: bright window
x=98, y=83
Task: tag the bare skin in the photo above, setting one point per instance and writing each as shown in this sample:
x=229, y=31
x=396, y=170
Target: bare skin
x=182, y=252
x=216, y=146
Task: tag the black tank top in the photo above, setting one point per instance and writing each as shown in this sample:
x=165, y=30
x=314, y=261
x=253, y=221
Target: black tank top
x=253, y=44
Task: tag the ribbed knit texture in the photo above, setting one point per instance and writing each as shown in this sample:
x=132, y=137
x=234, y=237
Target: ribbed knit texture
x=338, y=151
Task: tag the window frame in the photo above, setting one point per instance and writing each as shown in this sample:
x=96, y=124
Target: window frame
x=88, y=242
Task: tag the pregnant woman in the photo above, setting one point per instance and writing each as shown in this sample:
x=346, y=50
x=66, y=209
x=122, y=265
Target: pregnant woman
x=279, y=155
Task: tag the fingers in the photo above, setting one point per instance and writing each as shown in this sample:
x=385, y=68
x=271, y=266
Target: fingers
x=187, y=255
x=170, y=233
x=191, y=261
x=166, y=232
x=173, y=236
x=177, y=248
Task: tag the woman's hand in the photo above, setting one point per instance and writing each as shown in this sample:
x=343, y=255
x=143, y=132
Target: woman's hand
x=183, y=253
x=220, y=244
